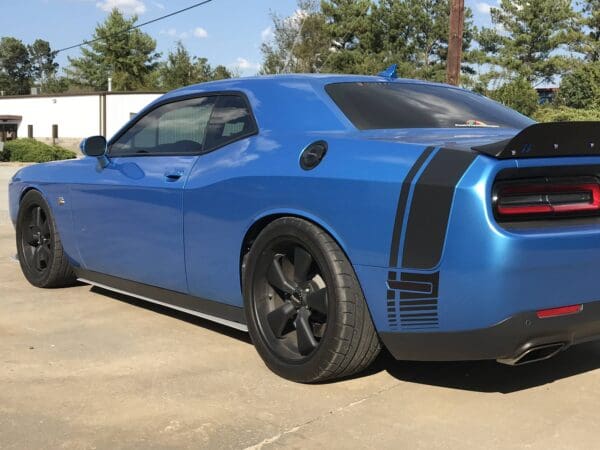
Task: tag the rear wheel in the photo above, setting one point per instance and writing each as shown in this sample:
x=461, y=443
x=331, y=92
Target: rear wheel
x=305, y=310
x=40, y=250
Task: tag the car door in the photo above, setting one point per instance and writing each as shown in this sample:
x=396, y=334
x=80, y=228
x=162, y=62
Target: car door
x=128, y=216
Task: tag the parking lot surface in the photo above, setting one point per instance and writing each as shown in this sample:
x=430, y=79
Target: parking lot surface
x=84, y=368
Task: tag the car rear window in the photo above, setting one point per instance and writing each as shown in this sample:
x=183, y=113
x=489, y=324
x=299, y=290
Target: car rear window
x=392, y=105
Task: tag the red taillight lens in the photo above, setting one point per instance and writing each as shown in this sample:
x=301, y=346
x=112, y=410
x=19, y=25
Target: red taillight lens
x=557, y=312
x=540, y=199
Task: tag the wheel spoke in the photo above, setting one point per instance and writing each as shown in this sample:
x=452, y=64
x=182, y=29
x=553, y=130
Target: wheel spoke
x=45, y=228
x=41, y=257
x=37, y=217
x=318, y=301
x=306, y=339
x=28, y=235
x=302, y=264
x=277, y=278
x=280, y=318
x=38, y=258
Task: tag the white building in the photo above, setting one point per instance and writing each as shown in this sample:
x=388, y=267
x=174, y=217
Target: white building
x=67, y=118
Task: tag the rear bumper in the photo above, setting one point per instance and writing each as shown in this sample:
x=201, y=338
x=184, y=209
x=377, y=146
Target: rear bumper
x=506, y=340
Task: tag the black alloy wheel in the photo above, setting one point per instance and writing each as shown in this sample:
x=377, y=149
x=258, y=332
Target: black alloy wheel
x=291, y=300
x=41, y=255
x=305, y=310
x=36, y=240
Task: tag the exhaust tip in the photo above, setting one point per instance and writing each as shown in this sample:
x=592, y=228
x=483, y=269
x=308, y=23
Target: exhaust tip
x=534, y=354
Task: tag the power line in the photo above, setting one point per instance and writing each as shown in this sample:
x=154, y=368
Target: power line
x=158, y=19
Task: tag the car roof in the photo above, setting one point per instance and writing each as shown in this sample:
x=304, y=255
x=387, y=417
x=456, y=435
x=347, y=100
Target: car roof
x=291, y=102
x=312, y=78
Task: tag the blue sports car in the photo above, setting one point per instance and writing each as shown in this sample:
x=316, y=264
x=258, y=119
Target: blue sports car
x=331, y=216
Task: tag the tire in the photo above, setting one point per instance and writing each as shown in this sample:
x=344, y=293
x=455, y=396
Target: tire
x=41, y=255
x=297, y=282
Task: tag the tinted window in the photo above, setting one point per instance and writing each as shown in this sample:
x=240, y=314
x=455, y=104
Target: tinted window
x=178, y=127
x=395, y=105
x=231, y=120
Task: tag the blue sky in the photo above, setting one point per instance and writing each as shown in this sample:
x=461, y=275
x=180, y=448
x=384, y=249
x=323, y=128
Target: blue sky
x=227, y=32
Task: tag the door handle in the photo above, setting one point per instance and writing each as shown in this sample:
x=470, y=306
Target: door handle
x=173, y=175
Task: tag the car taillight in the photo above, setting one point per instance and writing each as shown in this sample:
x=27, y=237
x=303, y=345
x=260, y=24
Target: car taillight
x=535, y=199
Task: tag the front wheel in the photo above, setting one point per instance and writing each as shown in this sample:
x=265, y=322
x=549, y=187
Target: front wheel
x=41, y=255
x=305, y=309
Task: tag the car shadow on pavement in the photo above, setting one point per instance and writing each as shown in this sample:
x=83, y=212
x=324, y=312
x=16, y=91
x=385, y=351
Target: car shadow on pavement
x=194, y=320
x=476, y=376
x=490, y=376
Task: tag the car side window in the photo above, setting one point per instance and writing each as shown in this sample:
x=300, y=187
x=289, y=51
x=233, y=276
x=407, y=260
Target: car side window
x=174, y=128
x=231, y=120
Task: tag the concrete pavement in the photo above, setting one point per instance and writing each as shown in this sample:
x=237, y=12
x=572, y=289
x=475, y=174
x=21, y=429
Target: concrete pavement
x=83, y=368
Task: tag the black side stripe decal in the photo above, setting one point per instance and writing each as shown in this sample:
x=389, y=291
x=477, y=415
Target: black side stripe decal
x=402, y=200
x=430, y=208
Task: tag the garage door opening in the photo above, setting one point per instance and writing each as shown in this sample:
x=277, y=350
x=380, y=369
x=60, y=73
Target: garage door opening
x=9, y=127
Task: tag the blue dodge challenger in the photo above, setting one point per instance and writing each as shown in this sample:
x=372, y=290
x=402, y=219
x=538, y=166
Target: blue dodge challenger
x=331, y=216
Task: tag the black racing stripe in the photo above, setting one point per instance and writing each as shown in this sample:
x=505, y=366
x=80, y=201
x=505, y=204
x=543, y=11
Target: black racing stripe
x=402, y=200
x=411, y=286
x=430, y=208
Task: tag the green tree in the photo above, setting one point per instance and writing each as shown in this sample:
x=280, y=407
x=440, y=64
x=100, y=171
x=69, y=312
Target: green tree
x=129, y=57
x=348, y=24
x=519, y=95
x=300, y=42
x=526, y=39
x=43, y=64
x=182, y=69
x=590, y=46
x=414, y=35
x=581, y=87
x=15, y=67
x=365, y=36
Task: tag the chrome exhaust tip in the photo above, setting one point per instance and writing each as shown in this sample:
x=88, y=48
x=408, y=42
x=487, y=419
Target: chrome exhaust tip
x=534, y=354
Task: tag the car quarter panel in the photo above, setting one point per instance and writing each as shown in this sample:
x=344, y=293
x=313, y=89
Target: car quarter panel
x=352, y=194
x=486, y=273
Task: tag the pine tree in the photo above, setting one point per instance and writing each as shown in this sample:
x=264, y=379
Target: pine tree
x=128, y=57
x=591, y=22
x=15, y=67
x=527, y=38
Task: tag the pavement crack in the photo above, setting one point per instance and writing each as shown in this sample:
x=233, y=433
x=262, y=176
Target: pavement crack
x=330, y=413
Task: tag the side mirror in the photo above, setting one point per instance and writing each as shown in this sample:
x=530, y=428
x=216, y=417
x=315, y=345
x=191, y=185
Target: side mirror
x=95, y=147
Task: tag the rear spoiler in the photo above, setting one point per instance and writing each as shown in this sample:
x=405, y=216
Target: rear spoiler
x=548, y=139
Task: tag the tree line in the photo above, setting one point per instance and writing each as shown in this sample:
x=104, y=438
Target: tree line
x=129, y=58
x=530, y=43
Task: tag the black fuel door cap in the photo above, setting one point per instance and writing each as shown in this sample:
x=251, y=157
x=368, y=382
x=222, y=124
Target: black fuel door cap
x=312, y=155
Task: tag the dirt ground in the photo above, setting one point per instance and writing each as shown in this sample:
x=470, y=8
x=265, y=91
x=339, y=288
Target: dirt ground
x=84, y=368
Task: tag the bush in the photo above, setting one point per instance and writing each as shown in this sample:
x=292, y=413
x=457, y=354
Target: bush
x=565, y=114
x=581, y=88
x=30, y=150
x=518, y=94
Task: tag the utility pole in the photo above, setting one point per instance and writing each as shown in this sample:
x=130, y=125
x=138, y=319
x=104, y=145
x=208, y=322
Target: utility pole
x=455, y=41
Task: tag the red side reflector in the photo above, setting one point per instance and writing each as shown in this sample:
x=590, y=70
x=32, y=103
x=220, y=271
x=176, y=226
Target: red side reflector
x=562, y=311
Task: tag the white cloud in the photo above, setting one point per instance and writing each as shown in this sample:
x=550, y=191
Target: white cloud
x=483, y=7
x=245, y=65
x=200, y=33
x=171, y=32
x=126, y=6
x=266, y=34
